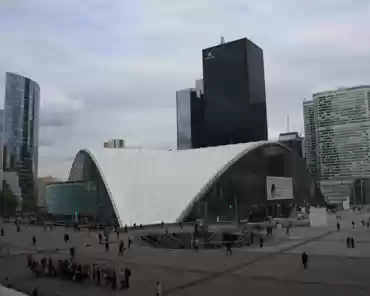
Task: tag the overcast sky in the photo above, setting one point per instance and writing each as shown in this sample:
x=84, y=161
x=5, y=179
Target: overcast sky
x=110, y=68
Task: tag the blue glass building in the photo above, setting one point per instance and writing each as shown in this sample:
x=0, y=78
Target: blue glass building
x=20, y=137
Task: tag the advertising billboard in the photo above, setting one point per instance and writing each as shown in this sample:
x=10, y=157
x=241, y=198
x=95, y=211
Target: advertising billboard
x=278, y=188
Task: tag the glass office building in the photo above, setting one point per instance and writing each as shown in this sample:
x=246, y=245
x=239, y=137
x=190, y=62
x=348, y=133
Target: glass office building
x=310, y=137
x=20, y=137
x=341, y=132
x=189, y=107
x=234, y=93
x=65, y=199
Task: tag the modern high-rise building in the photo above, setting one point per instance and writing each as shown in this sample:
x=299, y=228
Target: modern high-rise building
x=115, y=143
x=20, y=137
x=234, y=94
x=342, y=134
x=189, y=107
x=310, y=137
x=293, y=141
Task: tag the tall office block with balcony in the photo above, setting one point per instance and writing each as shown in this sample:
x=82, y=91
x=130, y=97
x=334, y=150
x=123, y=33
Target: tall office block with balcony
x=20, y=137
x=342, y=130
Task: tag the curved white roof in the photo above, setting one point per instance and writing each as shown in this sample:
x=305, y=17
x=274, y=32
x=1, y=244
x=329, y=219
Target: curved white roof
x=150, y=186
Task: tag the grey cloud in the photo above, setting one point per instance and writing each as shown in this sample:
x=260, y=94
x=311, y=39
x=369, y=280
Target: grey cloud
x=115, y=65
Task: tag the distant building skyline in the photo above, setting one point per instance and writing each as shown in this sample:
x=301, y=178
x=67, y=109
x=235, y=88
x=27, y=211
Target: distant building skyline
x=20, y=136
x=293, y=141
x=114, y=143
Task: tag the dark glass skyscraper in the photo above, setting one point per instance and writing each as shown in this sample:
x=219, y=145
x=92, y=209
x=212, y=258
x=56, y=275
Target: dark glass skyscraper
x=189, y=118
x=234, y=94
x=20, y=136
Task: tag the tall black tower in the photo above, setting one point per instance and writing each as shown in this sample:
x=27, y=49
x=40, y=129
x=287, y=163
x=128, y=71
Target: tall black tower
x=234, y=103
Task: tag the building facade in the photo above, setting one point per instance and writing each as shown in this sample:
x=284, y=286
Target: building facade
x=341, y=125
x=224, y=183
x=115, y=143
x=293, y=141
x=189, y=112
x=234, y=93
x=41, y=188
x=20, y=136
x=310, y=137
x=66, y=199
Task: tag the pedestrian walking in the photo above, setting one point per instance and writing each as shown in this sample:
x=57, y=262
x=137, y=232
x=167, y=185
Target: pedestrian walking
x=117, y=233
x=34, y=240
x=66, y=238
x=367, y=224
x=353, y=224
x=352, y=242
x=2, y=231
x=348, y=241
x=127, y=277
x=120, y=248
x=159, y=290
x=100, y=238
x=228, y=250
x=129, y=242
x=338, y=226
x=106, y=246
x=261, y=241
x=304, y=259
x=121, y=278
x=72, y=252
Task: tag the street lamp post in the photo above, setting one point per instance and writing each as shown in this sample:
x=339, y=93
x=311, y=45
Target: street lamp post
x=362, y=193
x=236, y=210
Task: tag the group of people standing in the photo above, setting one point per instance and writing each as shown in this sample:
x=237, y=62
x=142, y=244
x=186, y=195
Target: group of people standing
x=71, y=270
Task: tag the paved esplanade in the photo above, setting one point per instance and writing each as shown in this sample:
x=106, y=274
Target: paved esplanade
x=274, y=270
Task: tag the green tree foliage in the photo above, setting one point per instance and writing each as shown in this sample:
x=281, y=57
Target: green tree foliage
x=9, y=202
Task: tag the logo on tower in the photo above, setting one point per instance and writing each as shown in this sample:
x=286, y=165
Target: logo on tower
x=209, y=56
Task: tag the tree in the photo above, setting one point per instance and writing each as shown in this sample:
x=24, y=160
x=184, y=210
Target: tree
x=9, y=202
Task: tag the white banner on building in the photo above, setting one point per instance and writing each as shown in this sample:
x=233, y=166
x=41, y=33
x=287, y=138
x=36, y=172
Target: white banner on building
x=279, y=188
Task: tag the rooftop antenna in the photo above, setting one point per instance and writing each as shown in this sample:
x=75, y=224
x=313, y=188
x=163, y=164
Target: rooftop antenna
x=222, y=40
x=287, y=124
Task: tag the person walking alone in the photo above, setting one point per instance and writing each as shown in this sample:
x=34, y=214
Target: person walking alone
x=120, y=248
x=304, y=259
x=159, y=289
x=352, y=242
x=338, y=226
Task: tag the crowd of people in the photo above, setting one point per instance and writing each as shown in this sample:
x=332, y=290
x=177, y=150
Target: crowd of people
x=99, y=274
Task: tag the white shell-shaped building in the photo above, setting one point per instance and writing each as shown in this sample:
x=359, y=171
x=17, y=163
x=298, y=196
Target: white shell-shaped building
x=149, y=186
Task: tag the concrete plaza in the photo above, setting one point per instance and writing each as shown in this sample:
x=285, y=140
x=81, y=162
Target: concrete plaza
x=276, y=269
